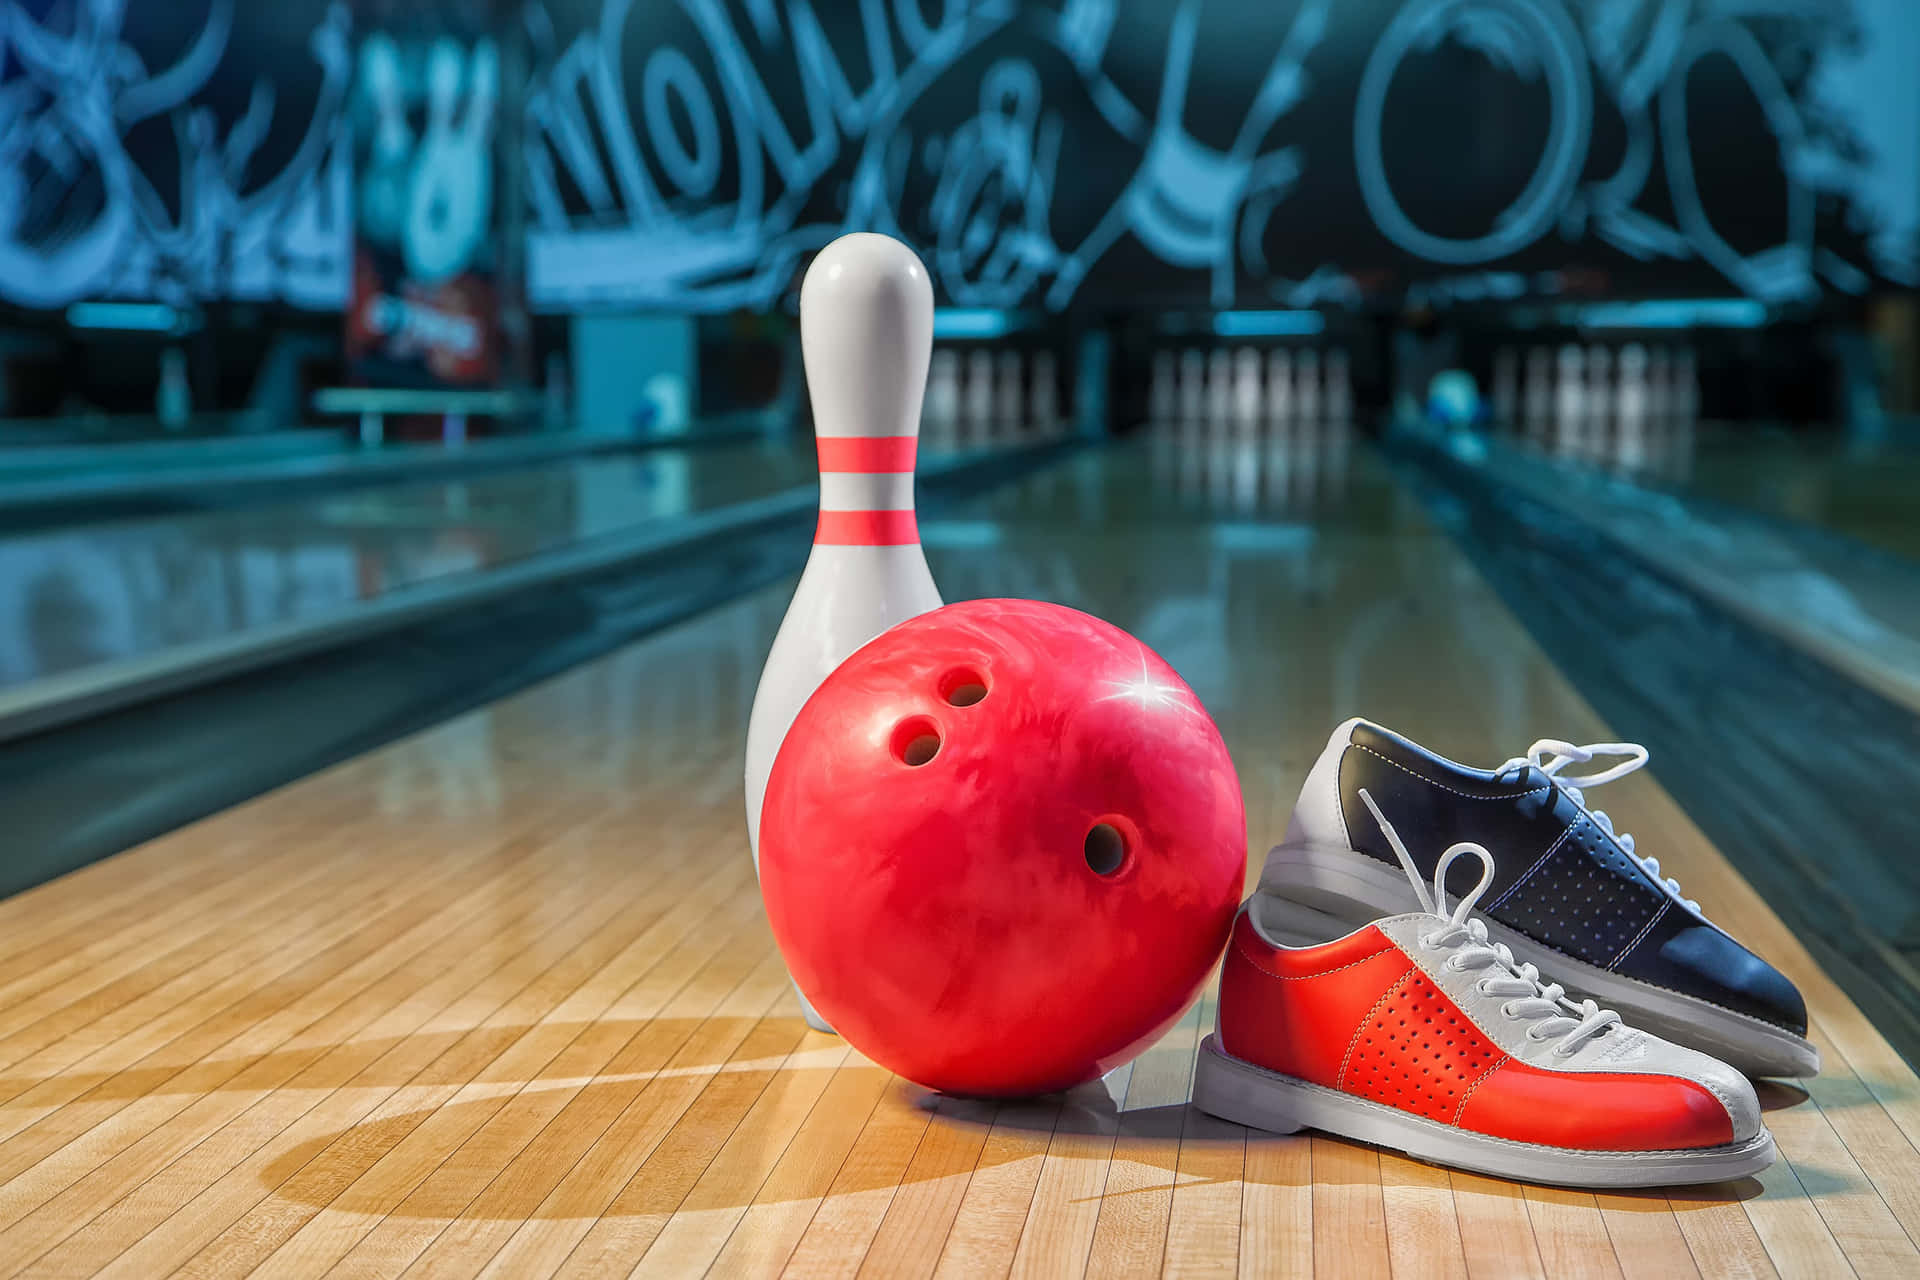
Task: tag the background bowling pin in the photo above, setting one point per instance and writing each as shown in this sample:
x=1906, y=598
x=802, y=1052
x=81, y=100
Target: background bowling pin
x=866, y=334
x=1219, y=383
x=1193, y=374
x=1600, y=397
x=943, y=396
x=1569, y=399
x=1306, y=384
x=1246, y=385
x=1280, y=383
x=1631, y=407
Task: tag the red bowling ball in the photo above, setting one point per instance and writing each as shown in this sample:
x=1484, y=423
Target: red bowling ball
x=1002, y=848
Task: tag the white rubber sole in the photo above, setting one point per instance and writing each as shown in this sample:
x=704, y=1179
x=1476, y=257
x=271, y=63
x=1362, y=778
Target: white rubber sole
x=1239, y=1091
x=1355, y=888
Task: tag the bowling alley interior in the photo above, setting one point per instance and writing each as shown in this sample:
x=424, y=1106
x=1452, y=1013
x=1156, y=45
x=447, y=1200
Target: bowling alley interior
x=960, y=638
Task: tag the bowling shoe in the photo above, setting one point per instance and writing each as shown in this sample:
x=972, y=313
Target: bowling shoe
x=1419, y=1033
x=1573, y=897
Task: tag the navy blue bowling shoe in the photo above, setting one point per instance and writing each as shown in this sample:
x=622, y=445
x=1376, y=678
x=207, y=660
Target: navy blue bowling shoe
x=1572, y=896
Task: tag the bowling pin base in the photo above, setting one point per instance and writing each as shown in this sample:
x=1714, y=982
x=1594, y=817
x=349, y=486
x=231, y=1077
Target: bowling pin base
x=812, y=1015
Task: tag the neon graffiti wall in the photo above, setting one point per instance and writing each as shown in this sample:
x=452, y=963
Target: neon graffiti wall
x=687, y=153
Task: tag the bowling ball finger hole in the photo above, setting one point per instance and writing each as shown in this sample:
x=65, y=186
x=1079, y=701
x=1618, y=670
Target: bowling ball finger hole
x=1106, y=848
x=916, y=741
x=962, y=688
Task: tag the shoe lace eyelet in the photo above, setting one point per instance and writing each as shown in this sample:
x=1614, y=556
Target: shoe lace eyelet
x=1507, y=1010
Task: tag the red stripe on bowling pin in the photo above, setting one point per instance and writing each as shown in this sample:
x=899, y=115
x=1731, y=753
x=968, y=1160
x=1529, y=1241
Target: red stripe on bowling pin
x=866, y=509
x=866, y=491
x=867, y=453
x=866, y=529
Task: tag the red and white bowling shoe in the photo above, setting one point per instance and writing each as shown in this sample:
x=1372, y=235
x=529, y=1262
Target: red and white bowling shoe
x=1417, y=1033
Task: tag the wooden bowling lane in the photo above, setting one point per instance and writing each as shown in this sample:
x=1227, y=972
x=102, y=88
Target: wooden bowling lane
x=499, y=999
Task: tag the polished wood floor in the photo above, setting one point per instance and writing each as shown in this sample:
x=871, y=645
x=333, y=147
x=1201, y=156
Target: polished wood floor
x=500, y=999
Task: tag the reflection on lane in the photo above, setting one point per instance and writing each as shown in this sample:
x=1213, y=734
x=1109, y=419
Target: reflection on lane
x=1349, y=602
x=1847, y=604
x=79, y=597
x=1817, y=476
x=1283, y=618
x=1869, y=491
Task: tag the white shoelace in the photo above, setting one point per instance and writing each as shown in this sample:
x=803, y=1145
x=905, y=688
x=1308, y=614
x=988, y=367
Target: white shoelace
x=1550, y=757
x=1463, y=940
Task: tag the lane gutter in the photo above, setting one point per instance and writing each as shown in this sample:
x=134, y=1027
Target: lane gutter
x=1804, y=777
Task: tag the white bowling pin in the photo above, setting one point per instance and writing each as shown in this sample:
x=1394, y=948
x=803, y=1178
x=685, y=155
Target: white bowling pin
x=1219, y=383
x=1600, y=398
x=1570, y=399
x=1280, y=383
x=1630, y=406
x=943, y=397
x=866, y=332
x=1246, y=385
x=1193, y=390
x=1306, y=384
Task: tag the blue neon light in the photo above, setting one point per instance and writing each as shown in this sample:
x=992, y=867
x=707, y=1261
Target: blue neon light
x=1678, y=313
x=1268, y=324
x=971, y=322
x=136, y=317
